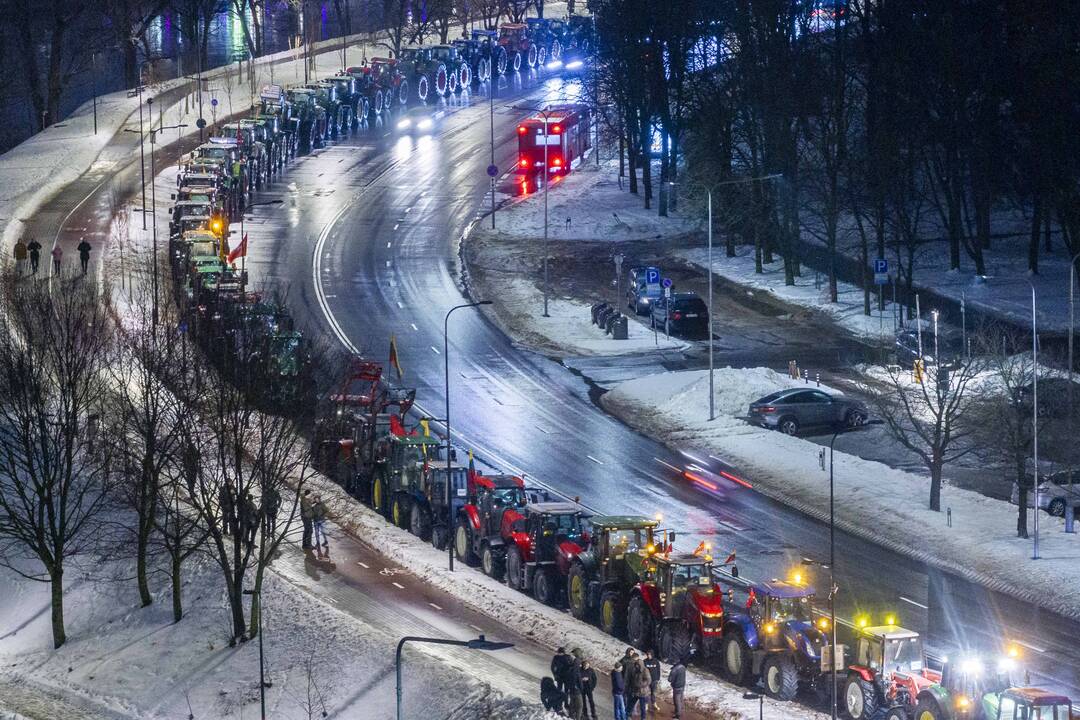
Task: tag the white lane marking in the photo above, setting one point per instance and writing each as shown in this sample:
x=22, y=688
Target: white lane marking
x=363, y=565
x=396, y=226
x=1032, y=647
x=387, y=244
x=408, y=210
x=732, y=526
x=476, y=628
x=413, y=325
x=435, y=350
x=667, y=465
x=399, y=586
x=912, y=602
x=543, y=429
x=434, y=606
x=692, y=457
x=330, y=599
x=594, y=460
x=399, y=304
x=387, y=263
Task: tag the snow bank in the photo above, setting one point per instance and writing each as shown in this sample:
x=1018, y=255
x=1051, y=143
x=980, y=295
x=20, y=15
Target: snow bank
x=544, y=624
x=884, y=505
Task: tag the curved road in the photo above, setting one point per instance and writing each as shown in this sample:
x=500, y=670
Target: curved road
x=367, y=243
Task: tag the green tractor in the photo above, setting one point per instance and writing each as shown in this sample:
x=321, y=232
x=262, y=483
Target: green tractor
x=338, y=114
x=401, y=460
x=430, y=75
x=459, y=72
x=312, y=119
x=348, y=90
x=274, y=105
x=601, y=578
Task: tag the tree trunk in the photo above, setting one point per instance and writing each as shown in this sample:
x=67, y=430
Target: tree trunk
x=662, y=211
x=1022, y=498
x=646, y=162
x=56, y=580
x=177, y=603
x=935, y=482
x=142, y=545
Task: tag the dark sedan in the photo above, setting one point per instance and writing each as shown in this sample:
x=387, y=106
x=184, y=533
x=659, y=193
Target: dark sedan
x=791, y=410
x=682, y=313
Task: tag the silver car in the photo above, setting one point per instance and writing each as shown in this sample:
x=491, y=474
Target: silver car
x=791, y=410
x=1054, y=492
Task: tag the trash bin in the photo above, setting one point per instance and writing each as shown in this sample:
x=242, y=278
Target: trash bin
x=605, y=312
x=596, y=308
x=619, y=328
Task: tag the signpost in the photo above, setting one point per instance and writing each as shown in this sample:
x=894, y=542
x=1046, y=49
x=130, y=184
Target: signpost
x=881, y=271
x=618, y=277
x=667, y=309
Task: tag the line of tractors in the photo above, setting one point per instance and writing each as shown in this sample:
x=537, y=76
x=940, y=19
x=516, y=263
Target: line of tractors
x=623, y=574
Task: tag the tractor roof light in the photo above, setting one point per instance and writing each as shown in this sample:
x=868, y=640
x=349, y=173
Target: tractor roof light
x=1006, y=665
x=796, y=578
x=862, y=621
x=1013, y=652
x=971, y=666
x=770, y=628
x=963, y=702
x=823, y=623
x=890, y=620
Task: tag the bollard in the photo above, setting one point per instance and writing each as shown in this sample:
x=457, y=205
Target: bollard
x=948, y=517
x=621, y=330
x=821, y=458
x=791, y=369
x=818, y=377
x=611, y=320
x=1070, y=513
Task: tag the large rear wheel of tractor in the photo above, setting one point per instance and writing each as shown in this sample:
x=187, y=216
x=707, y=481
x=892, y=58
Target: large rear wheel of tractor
x=422, y=88
x=639, y=624
x=546, y=586
x=441, y=80
x=377, y=103
x=464, y=77
x=515, y=576
x=403, y=91
x=516, y=62
x=927, y=709
x=736, y=657
x=483, y=70
x=378, y=496
x=531, y=56
x=399, y=511
x=860, y=698
x=577, y=592
x=541, y=56
x=451, y=81
x=388, y=99
x=900, y=713
x=492, y=563
x=463, y=544
x=613, y=613
x=500, y=62
x=780, y=677
x=556, y=50
x=674, y=642
x=367, y=110
x=420, y=522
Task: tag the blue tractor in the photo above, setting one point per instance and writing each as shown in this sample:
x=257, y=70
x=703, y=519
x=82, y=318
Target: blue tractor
x=770, y=633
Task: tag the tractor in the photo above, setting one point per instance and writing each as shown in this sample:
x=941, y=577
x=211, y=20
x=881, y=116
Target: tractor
x=187, y=208
x=482, y=532
x=548, y=46
x=348, y=89
x=338, y=114
x=491, y=49
x=400, y=460
x=388, y=75
x=273, y=105
x=458, y=71
x=514, y=37
x=888, y=673
x=430, y=75
x=429, y=515
x=254, y=154
x=474, y=54
x=770, y=633
x=1025, y=703
x=601, y=577
x=676, y=610
x=580, y=31
x=540, y=546
x=311, y=128
x=268, y=131
x=369, y=89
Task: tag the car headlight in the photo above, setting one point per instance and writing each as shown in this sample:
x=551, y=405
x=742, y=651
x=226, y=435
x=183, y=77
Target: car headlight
x=403, y=124
x=425, y=124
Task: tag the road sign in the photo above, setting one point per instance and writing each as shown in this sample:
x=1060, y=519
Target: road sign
x=652, y=276
x=881, y=266
x=213, y=102
x=667, y=284
x=493, y=170
x=200, y=123
x=881, y=278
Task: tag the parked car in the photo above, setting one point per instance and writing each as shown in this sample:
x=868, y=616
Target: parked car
x=1053, y=397
x=1054, y=492
x=639, y=295
x=682, y=313
x=796, y=408
x=949, y=344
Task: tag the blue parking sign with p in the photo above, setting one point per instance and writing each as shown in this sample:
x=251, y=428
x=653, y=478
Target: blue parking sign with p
x=881, y=266
x=652, y=276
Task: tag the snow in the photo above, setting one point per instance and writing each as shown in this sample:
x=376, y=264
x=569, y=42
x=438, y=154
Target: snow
x=884, y=505
x=544, y=624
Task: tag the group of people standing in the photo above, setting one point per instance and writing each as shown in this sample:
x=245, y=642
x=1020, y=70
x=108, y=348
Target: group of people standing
x=634, y=683
x=313, y=516
x=249, y=515
x=32, y=251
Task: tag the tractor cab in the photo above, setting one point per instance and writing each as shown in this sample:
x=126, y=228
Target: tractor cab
x=1026, y=703
x=547, y=527
x=446, y=54
x=286, y=353
x=192, y=223
x=682, y=579
x=513, y=35
x=485, y=36
x=888, y=670
x=497, y=498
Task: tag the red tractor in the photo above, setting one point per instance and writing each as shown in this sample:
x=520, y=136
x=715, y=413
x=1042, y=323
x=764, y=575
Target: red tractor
x=479, y=530
x=514, y=38
x=541, y=544
x=888, y=673
x=676, y=610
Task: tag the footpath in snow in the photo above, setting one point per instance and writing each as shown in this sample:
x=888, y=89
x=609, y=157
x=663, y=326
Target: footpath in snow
x=881, y=504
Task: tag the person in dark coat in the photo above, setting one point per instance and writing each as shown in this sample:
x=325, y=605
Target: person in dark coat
x=34, y=247
x=550, y=696
x=84, y=254
x=653, y=666
x=637, y=687
x=306, y=518
x=271, y=505
x=618, y=691
x=559, y=663
x=574, y=689
x=677, y=678
x=225, y=500
x=249, y=520
x=588, y=686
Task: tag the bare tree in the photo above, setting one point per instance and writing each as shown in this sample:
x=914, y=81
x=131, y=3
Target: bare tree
x=931, y=415
x=53, y=469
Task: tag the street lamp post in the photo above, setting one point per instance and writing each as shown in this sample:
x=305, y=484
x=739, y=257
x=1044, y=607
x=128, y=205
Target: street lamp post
x=479, y=643
x=492, y=85
x=142, y=155
x=1035, y=415
x=262, y=665
x=937, y=357
x=449, y=467
x=1072, y=283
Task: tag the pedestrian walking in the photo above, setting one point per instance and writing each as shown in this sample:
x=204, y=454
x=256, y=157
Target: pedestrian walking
x=588, y=686
x=249, y=520
x=306, y=518
x=271, y=505
x=618, y=691
x=559, y=664
x=318, y=520
x=57, y=255
x=677, y=679
x=653, y=666
x=84, y=254
x=574, y=689
x=20, y=257
x=225, y=502
x=35, y=255
x=637, y=687
x=550, y=696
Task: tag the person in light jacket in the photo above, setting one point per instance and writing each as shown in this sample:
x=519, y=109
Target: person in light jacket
x=677, y=679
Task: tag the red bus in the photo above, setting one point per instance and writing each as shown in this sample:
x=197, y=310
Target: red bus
x=568, y=139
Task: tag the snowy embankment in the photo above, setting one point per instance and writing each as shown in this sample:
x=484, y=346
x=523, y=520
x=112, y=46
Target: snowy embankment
x=502, y=264
x=546, y=625
x=123, y=661
x=881, y=504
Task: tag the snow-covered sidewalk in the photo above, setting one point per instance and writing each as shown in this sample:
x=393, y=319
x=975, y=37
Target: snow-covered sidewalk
x=881, y=504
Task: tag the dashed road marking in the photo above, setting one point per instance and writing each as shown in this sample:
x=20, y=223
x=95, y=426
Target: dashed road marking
x=397, y=225
x=598, y=462
x=435, y=350
x=434, y=606
x=477, y=628
x=413, y=326
x=543, y=429
x=912, y=602
x=399, y=586
x=667, y=465
x=363, y=565
x=1032, y=647
x=399, y=304
x=387, y=263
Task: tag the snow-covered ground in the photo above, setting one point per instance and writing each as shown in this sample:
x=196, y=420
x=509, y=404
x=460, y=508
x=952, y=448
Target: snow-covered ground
x=882, y=504
x=122, y=661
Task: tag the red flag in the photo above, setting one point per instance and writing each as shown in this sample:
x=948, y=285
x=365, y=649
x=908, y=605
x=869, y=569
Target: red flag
x=700, y=548
x=239, y=251
x=394, y=362
x=730, y=558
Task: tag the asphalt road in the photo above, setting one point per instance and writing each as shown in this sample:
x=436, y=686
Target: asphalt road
x=367, y=245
